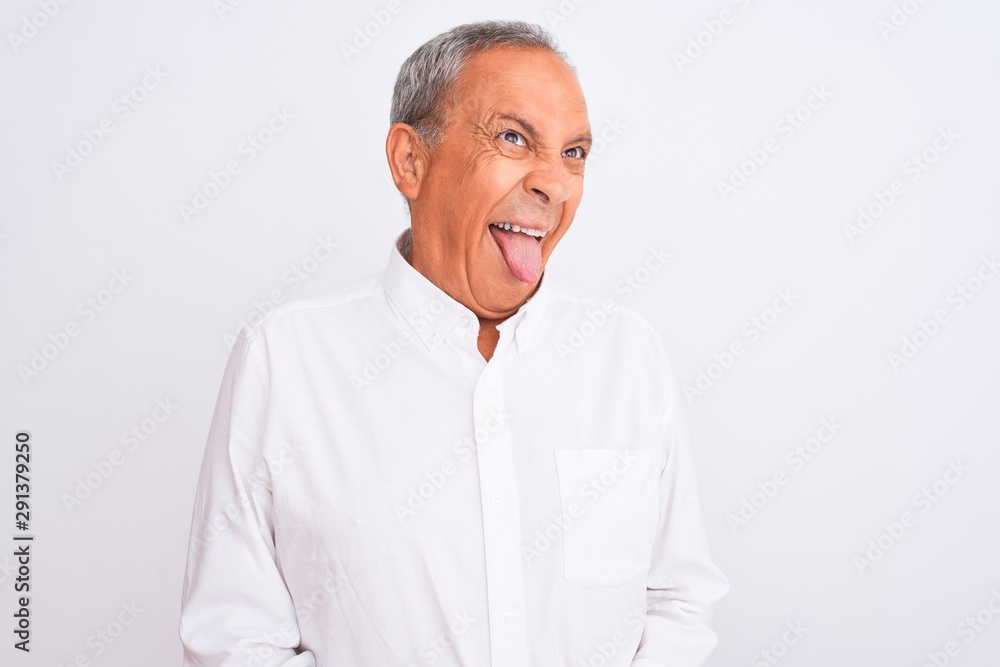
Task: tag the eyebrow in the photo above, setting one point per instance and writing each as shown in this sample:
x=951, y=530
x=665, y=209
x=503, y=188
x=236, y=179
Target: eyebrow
x=533, y=131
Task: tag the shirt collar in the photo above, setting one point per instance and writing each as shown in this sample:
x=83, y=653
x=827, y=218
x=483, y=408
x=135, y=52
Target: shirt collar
x=432, y=313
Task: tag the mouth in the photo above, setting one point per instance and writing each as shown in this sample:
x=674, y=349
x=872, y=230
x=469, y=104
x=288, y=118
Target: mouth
x=530, y=231
x=521, y=247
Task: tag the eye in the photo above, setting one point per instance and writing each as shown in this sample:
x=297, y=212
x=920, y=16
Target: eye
x=580, y=152
x=517, y=138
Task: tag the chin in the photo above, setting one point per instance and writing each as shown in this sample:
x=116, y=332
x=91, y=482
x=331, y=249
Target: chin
x=502, y=300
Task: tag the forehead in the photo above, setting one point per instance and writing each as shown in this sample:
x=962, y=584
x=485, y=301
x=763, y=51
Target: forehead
x=527, y=81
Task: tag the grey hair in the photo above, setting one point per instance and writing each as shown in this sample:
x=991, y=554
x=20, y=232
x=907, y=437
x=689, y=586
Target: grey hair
x=430, y=73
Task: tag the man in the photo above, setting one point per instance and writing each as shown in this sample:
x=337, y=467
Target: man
x=417, y=469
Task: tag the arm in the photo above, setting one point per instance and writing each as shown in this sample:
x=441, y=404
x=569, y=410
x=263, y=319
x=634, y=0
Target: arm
x=683, y=582
x=235, y=607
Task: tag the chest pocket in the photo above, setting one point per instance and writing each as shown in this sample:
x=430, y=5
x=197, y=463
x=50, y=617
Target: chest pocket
x=612, y=496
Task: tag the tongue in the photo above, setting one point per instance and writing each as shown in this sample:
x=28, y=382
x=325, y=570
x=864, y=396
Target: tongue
x=522, y=253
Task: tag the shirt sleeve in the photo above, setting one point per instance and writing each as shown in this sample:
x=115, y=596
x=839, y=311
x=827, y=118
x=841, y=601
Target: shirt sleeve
x=683, y=582
x=235, y=607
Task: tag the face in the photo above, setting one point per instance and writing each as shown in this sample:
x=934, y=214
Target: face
x=512, y=153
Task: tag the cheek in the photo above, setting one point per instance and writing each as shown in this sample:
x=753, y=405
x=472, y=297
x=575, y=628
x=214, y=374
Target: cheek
x=490, y=170
x=571, y=205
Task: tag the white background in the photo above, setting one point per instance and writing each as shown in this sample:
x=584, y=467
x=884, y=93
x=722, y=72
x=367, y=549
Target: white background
x=674, y=131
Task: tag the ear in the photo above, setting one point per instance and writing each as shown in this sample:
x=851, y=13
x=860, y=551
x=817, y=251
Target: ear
x=407, y=155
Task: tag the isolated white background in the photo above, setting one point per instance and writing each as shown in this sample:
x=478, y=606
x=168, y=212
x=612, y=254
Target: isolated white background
x=655, y=183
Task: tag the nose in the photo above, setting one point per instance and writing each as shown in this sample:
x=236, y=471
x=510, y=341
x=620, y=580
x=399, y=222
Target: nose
x=550, y=183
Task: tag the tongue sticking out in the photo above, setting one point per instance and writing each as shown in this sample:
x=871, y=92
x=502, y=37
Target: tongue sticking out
x=522, y=253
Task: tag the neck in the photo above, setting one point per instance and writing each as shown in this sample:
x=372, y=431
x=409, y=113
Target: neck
x=489, y=336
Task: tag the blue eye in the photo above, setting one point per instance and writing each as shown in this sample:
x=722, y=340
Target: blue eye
x=518, y=139
x=580, y=153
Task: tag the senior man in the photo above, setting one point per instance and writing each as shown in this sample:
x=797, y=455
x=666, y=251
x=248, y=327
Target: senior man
x=418, y=468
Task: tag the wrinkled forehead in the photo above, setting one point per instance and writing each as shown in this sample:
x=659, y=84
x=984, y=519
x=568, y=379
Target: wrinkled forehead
x=530, y=84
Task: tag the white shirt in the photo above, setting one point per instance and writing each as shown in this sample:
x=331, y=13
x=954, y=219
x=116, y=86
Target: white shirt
x=374, y=493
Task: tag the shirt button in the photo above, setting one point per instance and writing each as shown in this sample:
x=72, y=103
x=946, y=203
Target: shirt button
x=505, y=619
x=496, y=497
x=466, y=321
x=432, y=337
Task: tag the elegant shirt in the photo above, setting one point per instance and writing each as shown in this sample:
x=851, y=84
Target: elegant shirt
x=375, y=493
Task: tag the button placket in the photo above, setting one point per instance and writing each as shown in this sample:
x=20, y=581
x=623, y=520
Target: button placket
x=501, y=522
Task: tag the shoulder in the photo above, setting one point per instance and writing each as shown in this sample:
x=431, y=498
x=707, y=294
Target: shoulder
x=339, y=306
x=604, y=341
x=577, y=313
